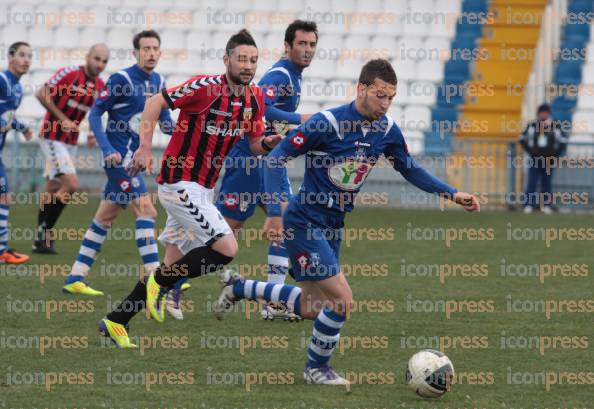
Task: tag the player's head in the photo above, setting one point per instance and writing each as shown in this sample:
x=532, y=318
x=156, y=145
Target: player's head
x=241, y=58
x=96, y=59
x=544, y=112
x=19, y=57
x=147, y=49
x=376, y=88
x=301, y=39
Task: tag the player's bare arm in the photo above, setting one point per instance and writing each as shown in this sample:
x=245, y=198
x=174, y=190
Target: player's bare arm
x=143, y=157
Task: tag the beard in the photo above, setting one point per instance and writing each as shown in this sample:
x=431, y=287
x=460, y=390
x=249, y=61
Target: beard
x=237, y=79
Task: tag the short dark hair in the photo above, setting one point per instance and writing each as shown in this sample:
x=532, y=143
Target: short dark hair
x=308, y=26
x=145, y=34
x=243, y=37
x=15, y=46
x=544, y=108
x=378, y=68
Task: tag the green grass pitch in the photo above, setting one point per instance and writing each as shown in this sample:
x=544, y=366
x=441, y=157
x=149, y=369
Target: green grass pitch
x=507, y=351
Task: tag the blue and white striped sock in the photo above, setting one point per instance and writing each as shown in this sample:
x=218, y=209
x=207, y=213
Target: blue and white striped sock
x=3, y=227
x=287, y=295
x=147, y=246
x=90, y=247
x=326, y=334
x=278, y=263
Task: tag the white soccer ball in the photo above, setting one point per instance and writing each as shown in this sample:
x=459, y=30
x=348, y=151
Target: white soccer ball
x=429, y=373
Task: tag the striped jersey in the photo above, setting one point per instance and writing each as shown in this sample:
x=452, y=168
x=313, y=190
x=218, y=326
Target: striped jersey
x=211, y=121
x=73, y=92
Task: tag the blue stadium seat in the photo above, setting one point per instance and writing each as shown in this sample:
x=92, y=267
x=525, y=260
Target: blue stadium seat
x=456, y=71
x=474, y=6
x=563, y=103
x=572, y=49
x=568, y=72
x=580, y=6
x=438, y=144
x=443, y=118
x=577, y=32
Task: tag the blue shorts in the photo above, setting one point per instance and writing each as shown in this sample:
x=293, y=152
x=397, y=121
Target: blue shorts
x=242, y=190
x=3, y=179
x=121, y=188
x=312, y=237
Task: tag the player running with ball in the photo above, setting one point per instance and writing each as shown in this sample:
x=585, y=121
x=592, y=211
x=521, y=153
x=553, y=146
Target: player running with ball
x=341, y=146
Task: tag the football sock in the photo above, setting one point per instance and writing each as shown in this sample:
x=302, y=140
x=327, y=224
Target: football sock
x=287, y=295
x=3, y=227
x=89, y=248
x=197, y=262
x=325, y=337
x=278, y=263
x=130, y=306
x=147, y=246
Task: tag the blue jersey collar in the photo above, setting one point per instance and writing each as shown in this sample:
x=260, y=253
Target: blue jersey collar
x=143, y=74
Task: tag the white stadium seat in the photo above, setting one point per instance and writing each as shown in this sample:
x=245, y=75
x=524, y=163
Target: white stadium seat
x=417, y=117
x=67, y=37
x=40, y=36
x=583, y=121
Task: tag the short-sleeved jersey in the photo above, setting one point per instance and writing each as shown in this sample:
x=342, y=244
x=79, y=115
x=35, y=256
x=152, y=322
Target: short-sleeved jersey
x=73, y=92
x=11, y=95
x=210, y=122
x=281, y=85
x=123, y=98
x=341, y=148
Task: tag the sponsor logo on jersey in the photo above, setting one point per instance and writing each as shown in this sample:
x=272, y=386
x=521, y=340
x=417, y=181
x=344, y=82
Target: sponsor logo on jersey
x=298, y=140
x=349, y=175
x=214, y=130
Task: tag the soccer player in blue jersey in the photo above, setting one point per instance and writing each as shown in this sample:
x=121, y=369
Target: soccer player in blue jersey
x=123, y=99
x=341, y=146
x=11, y=94
x=243, y=184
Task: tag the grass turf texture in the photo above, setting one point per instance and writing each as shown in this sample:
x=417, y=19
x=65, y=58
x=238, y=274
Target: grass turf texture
x=212, y=370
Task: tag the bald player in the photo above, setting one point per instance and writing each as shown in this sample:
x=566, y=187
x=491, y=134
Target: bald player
x=67, y=96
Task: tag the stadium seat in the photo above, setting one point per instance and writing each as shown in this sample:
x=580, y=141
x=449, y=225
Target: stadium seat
x=314, y=90
x=235, y=6
x=348, y=68
x=583, y=121
x=119, y=37
x=40, y=36
x=417, y=117
x=357, y=44
x=586, y=101
x=414, y=141
x=31, y=107
x=67, y=37
x=317, y=6
x=13, y=33
x=431, y=70
x=405, y=69
x=324, y=69
x=422, y=93
x=91, y=35
x=577, y=32
x=569, y=72
x=290, y=6
x=346, y=6
x=370, y=6
x=197, y=40
x=588, y=71
x=456, y=71
x=173, y=40
x=438, y=143
x=580, y=6
x=308, y=108
x=385, y=46
x=397, y=113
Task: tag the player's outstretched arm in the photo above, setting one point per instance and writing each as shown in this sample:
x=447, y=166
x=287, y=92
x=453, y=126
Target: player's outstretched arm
x=143, y=157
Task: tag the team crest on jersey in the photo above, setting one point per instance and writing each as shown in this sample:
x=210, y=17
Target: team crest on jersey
x=103, y=95
x=350, y=174
x=298, y=140
x=231, y=201
x=247, y=114
x=270, y=92
x=125, y=185
x=307, y=260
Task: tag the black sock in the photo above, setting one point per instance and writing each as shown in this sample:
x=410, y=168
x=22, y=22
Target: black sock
x=52, y=212
x=197, y=262
x=130, y=306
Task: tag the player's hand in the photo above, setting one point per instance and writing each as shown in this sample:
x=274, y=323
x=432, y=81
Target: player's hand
x=68, y=125
x=467, y=201
x=113, y=159
x=272, y=140
x=142, y=161
x=273, y=228
x=28, y=134
x=91, y=141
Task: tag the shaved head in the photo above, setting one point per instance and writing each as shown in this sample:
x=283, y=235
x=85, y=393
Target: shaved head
x=97, y=58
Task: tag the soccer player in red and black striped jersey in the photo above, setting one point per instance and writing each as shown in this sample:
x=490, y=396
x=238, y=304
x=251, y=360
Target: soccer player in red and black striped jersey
x=68, y=95
x=215, y=112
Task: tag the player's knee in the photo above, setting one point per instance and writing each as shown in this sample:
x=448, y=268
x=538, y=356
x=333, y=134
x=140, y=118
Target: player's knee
x=71, y=186
x=227, y=246
x=147, y=212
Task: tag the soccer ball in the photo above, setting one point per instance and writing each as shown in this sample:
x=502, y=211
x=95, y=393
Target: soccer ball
x=429, y=373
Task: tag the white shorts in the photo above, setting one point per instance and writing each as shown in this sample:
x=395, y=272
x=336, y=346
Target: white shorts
x=192, y=218
x=58, y=158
